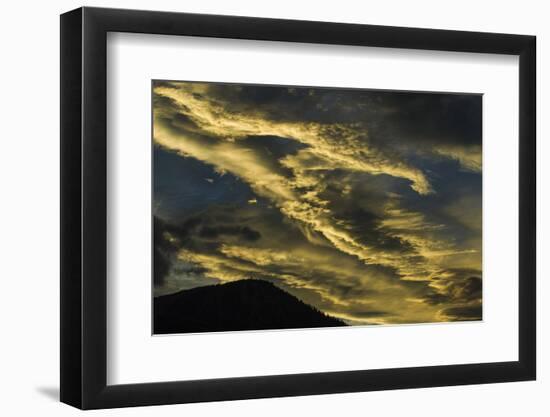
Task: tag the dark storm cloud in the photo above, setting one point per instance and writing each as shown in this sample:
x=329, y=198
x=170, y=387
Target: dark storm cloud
x=458, y=291
x=470, y=290
x=463, y=313
x=433, y=117
x=163, y=252
x=244, y=232
x=365, y=204
x=393, y=118
x=371, y=313
x=200, y=233
x=365, y=226
x=436, y=298
x=205, y=227
x=272, y=148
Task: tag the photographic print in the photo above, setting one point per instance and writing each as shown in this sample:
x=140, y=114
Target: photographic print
x=287, y=207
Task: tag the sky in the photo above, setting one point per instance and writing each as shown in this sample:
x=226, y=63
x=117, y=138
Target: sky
x=365, y=204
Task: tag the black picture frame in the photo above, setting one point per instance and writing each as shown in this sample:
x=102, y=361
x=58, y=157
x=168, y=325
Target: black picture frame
x=84, y=207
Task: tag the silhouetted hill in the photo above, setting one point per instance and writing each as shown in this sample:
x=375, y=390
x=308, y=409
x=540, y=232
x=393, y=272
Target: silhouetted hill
x=240, y=305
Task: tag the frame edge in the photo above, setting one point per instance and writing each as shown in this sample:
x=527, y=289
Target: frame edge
x=70, y=214
x=528, y=207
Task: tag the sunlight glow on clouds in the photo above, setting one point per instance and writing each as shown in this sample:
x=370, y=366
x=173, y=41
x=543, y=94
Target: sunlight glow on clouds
x=359, y=209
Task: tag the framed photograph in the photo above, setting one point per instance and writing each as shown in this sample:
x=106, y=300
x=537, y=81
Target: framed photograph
x=258, y=208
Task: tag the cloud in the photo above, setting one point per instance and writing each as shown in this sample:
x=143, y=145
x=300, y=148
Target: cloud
x=244, y=232
x=349, y=213
x=164, y=251
x=463, y=313
x=469, y=157
x=328, y=145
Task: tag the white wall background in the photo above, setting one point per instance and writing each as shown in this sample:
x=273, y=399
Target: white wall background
x=29, y=237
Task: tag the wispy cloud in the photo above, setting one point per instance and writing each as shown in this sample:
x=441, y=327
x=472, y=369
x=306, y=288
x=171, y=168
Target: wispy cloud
x=344, y=220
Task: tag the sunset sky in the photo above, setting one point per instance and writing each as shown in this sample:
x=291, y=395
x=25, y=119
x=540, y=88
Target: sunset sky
x=365, y=204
